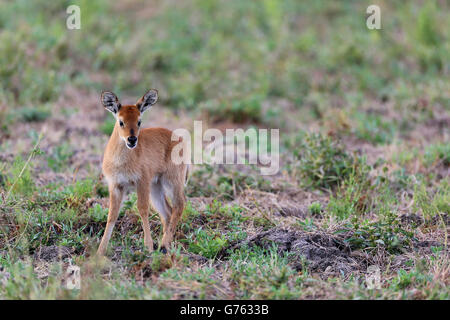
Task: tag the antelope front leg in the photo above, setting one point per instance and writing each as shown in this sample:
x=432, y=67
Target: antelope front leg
x=115, y=199
x=143, y=192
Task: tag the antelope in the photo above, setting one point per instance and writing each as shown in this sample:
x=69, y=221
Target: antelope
x=141, y=159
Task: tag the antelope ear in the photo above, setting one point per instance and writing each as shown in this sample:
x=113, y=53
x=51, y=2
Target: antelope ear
x=147, y=100
x=110, y=102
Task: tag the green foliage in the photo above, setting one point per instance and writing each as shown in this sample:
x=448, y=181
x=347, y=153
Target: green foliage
x=350, y=54
x=101, y=190
x=363, y=193
x=352, y=196
x=207, y=244
x=427, y=31
x=437, y=153
x=263, y=274
x=108, y=126
x=205, y=239
x=401, y=180
x=322, y=161
x=228, y=66
x=405, y=279
x=34, y=114
x=97, y=213
x=76, y=194
x=431, y=205
x=315, y=208
x=20, y=179
x=59, y=156
x=387, y=233
x=82, y=188
x=308, y=224
x=430, y=40
x=20, y=79
x=129, y=203
x=374, y=129
x=227, y=183
x=238, y=110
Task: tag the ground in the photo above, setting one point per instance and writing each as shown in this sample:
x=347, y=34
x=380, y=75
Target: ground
x=362, y=195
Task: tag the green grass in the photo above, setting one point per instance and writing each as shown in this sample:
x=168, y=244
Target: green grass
x=372, y=128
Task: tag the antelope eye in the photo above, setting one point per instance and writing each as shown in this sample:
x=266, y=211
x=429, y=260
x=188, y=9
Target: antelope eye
x=121, y=123
x=139, y=123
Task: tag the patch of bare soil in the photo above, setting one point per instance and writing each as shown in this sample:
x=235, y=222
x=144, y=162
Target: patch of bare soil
x=318, y=252
x=289, y=202
x=46, y=256
x=52, y=253
x=361, y=147
x=417, y=220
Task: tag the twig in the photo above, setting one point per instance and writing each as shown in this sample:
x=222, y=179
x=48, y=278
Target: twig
x=25, y=165
x=17, y=179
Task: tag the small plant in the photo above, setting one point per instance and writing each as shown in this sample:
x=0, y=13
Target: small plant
x=350, y=54
x=59, y=156
x=437, y=153
x=400, y=179
x=205, y=239
x=432, y=205
x=77, y=193
x=20, y=180
x=322, y=161
x=235, y=109
x=427, y=31
x=262, y=273
x=101, y=190
x=351, y=198
x=373, y=128
x=361, y=193
x=315, y=208
x=97, y=213
x=386, y=232
x=307, y=225
x=34, y=114
x=405, y=279
x=207, y=244
x=129, y=203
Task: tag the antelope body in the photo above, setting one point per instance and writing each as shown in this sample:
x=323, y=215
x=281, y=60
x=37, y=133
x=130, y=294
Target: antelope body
x=141, y=159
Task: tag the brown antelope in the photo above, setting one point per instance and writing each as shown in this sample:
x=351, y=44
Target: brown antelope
x=141, y=158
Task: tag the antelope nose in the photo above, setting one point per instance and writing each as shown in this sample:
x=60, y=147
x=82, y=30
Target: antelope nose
x=132, y=139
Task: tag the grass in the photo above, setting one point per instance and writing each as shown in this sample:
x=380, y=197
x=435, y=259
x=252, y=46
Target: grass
x=364, y=157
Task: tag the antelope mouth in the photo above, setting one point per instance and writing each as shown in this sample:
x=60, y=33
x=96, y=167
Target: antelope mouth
x=131, y=146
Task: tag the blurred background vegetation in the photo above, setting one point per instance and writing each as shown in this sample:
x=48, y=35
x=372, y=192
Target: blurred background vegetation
x=228, y=57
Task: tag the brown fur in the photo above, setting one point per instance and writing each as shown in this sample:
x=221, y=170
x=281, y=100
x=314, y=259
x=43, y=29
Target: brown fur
x=146, y=166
